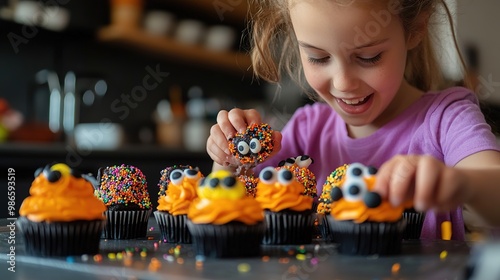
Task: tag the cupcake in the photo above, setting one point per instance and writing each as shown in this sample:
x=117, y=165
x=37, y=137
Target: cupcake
x=335, y=179
x=288, y=212
x=299, y=166
x=61, y=217
x=123, y=189
x=171, y=214
x=414, y=223
x=252, y=146
x=224, y=222
x=360, y=221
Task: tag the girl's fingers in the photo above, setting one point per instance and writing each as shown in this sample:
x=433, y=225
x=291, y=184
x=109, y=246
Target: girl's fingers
x=427, y=178
x=241, y=119
x=218, y=139
x=225, y=124
x=402, y=179
x=215, y=152
x=384, y=178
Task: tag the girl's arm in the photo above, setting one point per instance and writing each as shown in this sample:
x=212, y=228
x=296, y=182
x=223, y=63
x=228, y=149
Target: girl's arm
x=482, y=176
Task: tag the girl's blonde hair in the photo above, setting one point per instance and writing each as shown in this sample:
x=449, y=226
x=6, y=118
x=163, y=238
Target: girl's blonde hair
x=275, y=48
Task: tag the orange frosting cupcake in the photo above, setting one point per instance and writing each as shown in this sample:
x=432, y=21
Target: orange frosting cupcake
x=181, y=191
x=222, y=199
x=57, y=195
x=356, y=201
x=279, y=190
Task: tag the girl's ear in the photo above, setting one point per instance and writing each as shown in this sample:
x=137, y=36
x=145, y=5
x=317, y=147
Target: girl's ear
x=416, y=34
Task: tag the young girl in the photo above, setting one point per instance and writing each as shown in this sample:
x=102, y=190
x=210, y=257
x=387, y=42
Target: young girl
x=372, y=68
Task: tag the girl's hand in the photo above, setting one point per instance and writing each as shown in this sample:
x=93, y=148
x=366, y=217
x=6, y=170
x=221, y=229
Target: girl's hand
x=424, y=180
x=228, y=124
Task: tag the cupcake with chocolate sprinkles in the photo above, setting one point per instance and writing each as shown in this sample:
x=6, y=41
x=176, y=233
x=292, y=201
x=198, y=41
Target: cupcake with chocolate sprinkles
x=253, y=146
x=123, y=189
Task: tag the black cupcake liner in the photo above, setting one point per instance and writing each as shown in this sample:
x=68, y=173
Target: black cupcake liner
x=288, y=227
x=127, y=224
x=324, y=228
x=51, y=239
x=234, y=239
x=367, y=238
x=173, y=228
x=414, y=224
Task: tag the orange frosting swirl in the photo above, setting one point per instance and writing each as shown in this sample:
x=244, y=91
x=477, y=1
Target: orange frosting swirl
x=276, y=197
x=358, y=212
x=225, y=210
x=67, y=199
x=178, y=197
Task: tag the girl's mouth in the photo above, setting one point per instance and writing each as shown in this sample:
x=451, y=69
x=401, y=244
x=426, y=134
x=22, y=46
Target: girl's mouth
x=355, y=105
x=357, y=101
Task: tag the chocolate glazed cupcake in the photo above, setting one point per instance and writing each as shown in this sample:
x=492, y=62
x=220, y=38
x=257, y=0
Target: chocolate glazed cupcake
x=123, y=189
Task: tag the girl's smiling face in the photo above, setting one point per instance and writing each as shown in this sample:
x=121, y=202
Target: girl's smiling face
x=354, y=57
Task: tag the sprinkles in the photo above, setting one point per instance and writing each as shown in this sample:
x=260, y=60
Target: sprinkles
x=250, y=182
x=123, y=185
x=254, y=145
x=165, y=177
x=333, y=180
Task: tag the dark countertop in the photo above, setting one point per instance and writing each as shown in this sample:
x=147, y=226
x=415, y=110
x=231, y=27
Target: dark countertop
x=418, y=260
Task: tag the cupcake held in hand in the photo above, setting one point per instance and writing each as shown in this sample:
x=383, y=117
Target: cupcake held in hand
x=61, y=217
x=224, y=222
x=123, y=189
x=360, y=221
x=173, y=206
x=288, y=212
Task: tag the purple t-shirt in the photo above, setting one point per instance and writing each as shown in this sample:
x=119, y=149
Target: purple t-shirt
x=448, y=125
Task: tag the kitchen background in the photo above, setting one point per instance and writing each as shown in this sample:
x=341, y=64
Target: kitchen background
x=95, y=83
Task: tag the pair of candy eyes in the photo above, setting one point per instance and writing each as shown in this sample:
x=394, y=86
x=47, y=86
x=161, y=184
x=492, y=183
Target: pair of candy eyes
x=54, y=175
x=300, y=161
x=254, y=146
x=178, y=175
x=226, y=182
x=270, y=175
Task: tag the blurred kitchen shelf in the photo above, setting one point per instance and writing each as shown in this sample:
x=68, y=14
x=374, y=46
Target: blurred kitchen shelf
x=224, y=12
x=232, y=61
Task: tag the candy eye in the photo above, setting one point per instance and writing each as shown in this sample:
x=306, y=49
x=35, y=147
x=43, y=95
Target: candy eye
x=304, y=161
x=255, y=146
x=53, y=176
x=285, y=176
x=336, y=194
x=38, y=171
x=355, y=170
x=372, y=170
x=355, y=189
x=191, y=173
x=268, y=175
x=213, y=183
x=176, y=176
x=243, y=147
x=229, y=182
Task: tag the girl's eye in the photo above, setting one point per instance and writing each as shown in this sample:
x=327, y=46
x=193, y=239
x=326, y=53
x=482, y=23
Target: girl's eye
x=371, y=60
x=322, y=60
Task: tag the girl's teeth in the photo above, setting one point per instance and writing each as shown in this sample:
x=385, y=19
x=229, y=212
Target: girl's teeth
x=353, y=101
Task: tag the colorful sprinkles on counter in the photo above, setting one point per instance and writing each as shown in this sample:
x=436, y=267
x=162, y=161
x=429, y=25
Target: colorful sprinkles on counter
x=123, y=184
x=252, y=146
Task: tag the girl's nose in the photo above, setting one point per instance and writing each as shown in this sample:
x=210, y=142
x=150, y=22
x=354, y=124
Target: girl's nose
x=345, y=80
